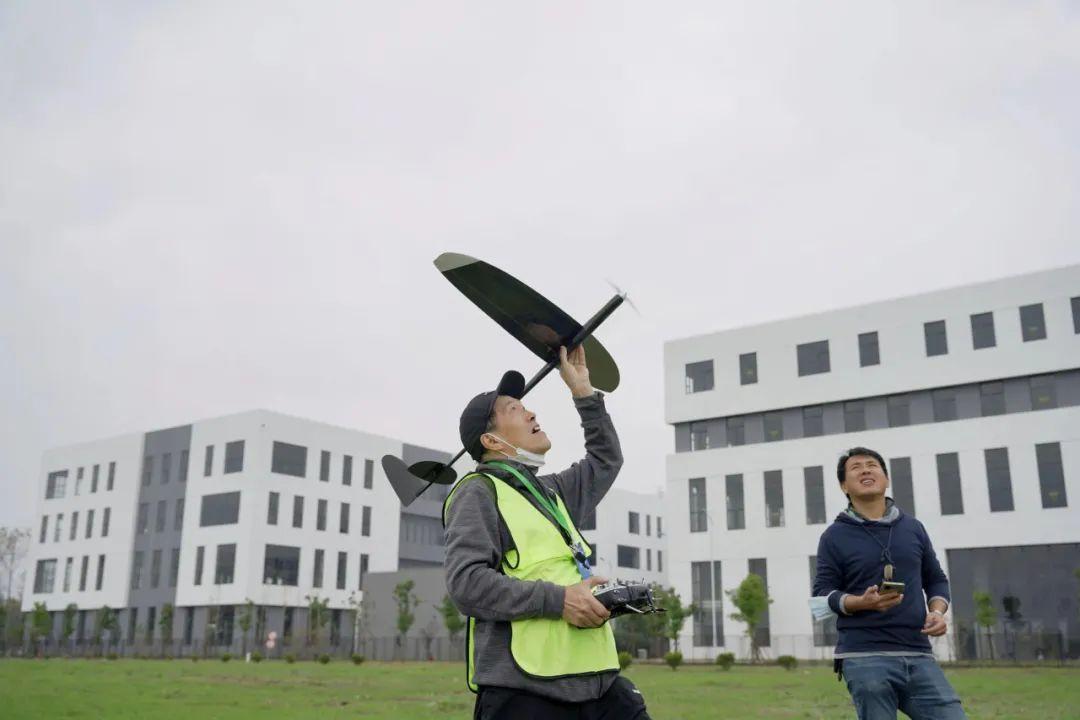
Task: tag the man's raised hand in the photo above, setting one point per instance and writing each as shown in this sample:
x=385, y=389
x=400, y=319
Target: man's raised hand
x=574, y=371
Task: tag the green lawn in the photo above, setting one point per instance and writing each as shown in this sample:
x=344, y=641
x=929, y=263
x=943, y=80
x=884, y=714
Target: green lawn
x=207, y=690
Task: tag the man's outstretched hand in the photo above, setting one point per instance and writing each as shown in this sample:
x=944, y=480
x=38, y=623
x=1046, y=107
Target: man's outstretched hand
x=574, y=371
x=580, y=608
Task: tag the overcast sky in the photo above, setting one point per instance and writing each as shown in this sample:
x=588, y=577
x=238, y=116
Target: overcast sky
x=212, y=207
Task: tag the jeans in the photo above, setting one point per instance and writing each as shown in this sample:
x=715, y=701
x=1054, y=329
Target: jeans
x=880, y=685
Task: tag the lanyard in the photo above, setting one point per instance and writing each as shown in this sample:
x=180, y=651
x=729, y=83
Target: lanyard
x=564, y=525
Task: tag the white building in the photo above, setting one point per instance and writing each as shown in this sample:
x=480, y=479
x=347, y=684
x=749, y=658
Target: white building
x=258, y=507
x=627, y=535
x=971, y=394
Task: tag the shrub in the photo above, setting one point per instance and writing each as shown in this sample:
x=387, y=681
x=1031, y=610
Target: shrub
x=788, y=662
x=226, y=657
x=323, y=659
x=256, y=656
x=112, y=656
x=625, y=660
x=357, y=659
x=725, y=660
x=290, y=658
x=194, y=658
x=673, y=659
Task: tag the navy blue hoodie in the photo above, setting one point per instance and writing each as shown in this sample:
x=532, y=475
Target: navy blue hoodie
x=849, y=561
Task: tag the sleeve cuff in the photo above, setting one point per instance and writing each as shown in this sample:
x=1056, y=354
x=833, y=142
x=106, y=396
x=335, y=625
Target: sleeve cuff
x=836, y=602
x=942, y=599
x=591, y=406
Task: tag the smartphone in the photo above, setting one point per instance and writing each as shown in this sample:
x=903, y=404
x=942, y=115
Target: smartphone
x=889, y=587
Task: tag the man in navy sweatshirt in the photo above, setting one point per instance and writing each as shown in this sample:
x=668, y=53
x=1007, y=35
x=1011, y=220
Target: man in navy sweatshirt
x=884, y=637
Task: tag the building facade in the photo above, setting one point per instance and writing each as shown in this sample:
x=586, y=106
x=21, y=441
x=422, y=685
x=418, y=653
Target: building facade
x=627, y=536
x=255, y=513
x=971, y=394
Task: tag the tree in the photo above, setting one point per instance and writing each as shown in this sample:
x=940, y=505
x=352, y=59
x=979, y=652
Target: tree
x=986, y=615
x=244, y=622
x=452, y=619
x=67, y=627
x=106, y=622
x=165, y=622
x=751, y=599
x=14, y=543
x=669, y=623
x=11, y=622
x=40, y=624
x=406, y=603
x=318, y=615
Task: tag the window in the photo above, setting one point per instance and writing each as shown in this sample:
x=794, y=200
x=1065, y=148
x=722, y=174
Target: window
x=699, y=436
x=220, y=509
x=317, y=573
x=774, y=498
x=748, y=368
x=854, y=416
x=346, y=470
x=178, y=515
x=151, y=620
x=698, y=517
x=998, y=479
x=136, y=570
x=147, y=470
x=90, y=524
x=67, y=574
x=324, y=466
x=58, y=527
x=629, y=557
x=365, y=522
x=159, y=526
x=659, y=526
x=814, y=483
x=112, y=476
x=343, y=519
x=226, y=564
x=45, y=576
x=200, y=552
x=182, y=474
x=78, y=481
x=660, y=561
x=369, y=474
x=1076, y=314
x=174, y=569
x=944, y=404
x=1032, y=322
x=272, y=509
x=234, y=457
x=155, y=568
x=56, y=485
x=992, y=398
x=363, y=570
x=189, y=625
x=736, y=431
x=707, y=597
x=320, y=515
x=813, y=358
x=298, y=512
x=44, y=534
x=759, y=567
x=289, y=459
x=342, y=559
x=83, y=572
x=699, y=376
x=142, y=520
x=948, y=469
x=736, y=509
x=281, y=565
x=94, y=475
x=635, y=523
x=1051, y=475
x=813, y=421
x=99, y=579
x=982, y=331
x=903, y=492
x=106, y=516
x=937, y=343
x=166, y=467
x=898, y=408
x=1043, y=392
x=868, y=349
x=133, y=618
x=774, y=427
x=74, y=525
x=648, y=525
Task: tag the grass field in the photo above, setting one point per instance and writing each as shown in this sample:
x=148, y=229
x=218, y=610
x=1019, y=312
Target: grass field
x=211, y=690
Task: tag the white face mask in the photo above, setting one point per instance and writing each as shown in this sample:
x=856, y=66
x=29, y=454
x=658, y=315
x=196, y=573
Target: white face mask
x=525, y=457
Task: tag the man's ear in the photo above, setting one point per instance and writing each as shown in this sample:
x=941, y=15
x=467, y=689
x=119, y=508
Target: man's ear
x=489, y=442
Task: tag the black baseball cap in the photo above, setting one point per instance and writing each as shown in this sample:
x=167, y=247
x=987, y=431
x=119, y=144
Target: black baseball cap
x=474, y=418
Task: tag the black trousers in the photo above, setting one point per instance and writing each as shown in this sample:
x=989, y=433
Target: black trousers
x=622, y=701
